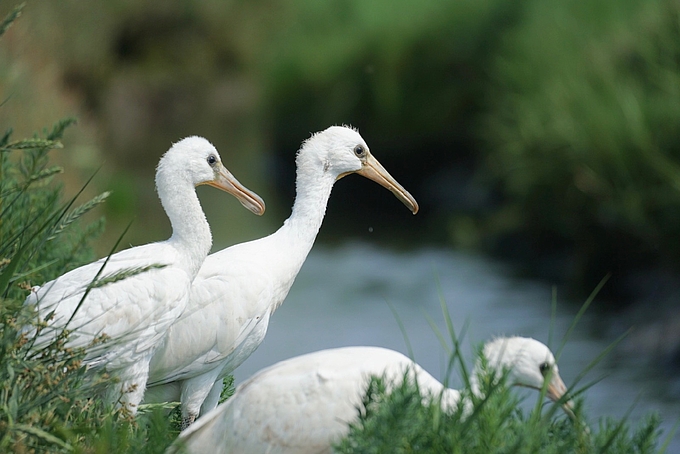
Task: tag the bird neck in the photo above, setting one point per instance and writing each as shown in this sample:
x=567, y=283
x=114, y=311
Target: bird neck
x=191, y=235
x=296, y=237
x=494, y=371
x=309, y=209
x=452, y=398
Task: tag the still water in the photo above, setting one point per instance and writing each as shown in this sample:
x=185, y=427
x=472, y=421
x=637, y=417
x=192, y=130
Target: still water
x=343, y=295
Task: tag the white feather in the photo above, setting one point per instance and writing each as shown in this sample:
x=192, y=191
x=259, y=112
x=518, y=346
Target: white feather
x=303, y=404
x=239, y=288
x=136, y=312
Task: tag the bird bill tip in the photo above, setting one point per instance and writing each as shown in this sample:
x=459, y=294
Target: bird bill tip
x=228, y=183
x=557, y=391
x=373, y=170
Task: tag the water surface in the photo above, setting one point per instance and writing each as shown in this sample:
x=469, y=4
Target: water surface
x=341, y=298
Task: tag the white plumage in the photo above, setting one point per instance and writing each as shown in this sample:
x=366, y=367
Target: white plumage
x=239, y=288
x=136, y=312
x=303, y=404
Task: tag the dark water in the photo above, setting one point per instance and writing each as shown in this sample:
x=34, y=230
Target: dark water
x=341, y=298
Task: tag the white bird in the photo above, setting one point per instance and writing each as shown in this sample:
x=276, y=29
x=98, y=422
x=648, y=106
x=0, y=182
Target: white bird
x=304, y=404
x=135, y=313
x=239, y=288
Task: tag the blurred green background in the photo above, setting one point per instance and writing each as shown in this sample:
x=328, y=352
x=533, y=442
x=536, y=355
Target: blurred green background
x=541, y=131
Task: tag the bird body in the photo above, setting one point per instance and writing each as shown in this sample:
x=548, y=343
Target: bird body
x=304, y=404
x=159, y=296
x=134, y=313
x=218, y=336
x=295, y=404
x=238, y=288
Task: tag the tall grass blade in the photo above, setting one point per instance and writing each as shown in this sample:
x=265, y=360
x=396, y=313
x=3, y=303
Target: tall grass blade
x=437, y=332
x=402, y=328
x=10, y=269
x=580, y=313
x=619, y=427
x=99, y=272
x=669, y=437
x=123, y=274
x=59, y=127
x=19, y=277
x=29, y=144
x=456, y=350
x=54, y=220
x=599, y=358
x=4, y=140
x=10, y=18
x=553, y=316
x=77, y=213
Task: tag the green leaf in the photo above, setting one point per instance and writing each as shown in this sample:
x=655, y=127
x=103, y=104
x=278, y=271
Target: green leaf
x=48, y=437
x=123, y=274
x=10, y=18
x=77, y=213
x=29, y=144
x=59, y=127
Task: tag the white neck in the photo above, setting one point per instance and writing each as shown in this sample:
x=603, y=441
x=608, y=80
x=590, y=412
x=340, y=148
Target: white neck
x=309, y=208
x=298, y=233
x=190, y=230
x=451, y=398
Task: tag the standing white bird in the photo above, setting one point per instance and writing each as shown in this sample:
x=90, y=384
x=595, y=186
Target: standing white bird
x=238, y=288
x=135, y=313
x=304, y=404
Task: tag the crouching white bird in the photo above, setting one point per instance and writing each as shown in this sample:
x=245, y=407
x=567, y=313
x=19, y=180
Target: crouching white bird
x=135, y=313
x=304, y=404
x=238, y=288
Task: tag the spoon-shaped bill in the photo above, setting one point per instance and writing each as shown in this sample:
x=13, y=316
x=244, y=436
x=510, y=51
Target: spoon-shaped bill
x=225, y=181
x=373, y=170
x=556, y=391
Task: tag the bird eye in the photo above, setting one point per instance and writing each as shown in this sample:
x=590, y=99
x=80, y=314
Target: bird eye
x=360, y=151
x=212, y=159
x=544, y=368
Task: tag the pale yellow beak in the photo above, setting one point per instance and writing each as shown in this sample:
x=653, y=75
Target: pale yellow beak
x=228, y=183
x=373, y=170
x=556, y=391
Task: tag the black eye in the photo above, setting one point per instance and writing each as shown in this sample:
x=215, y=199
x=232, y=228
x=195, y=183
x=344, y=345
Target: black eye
x=359, y=150
x=544, y=368
x=212, y=159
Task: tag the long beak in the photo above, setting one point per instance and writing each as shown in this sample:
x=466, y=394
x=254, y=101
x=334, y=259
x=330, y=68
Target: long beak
x=373, y=170
x=556, y=391
x=227, y=182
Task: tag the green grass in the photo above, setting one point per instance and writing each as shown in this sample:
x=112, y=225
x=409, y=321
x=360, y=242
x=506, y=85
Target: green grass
x=400, y=421
x=396, y=417
x=49, y=403
x=48, y=400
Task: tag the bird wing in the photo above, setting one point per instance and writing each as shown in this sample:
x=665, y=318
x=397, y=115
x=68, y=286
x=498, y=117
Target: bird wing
x=225, y=321
x=299, y=404
x=133, y=313
x=232, y=298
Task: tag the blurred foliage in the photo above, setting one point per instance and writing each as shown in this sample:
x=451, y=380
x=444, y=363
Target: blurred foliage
x=40, y=236
x=542, y=130
x=582, y=133
x=48, y=398
x=571, y=106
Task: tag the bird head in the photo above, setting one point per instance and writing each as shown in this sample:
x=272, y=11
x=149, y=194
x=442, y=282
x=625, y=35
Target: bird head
x=528, y=363
x=340, y=151
x=197, y=160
